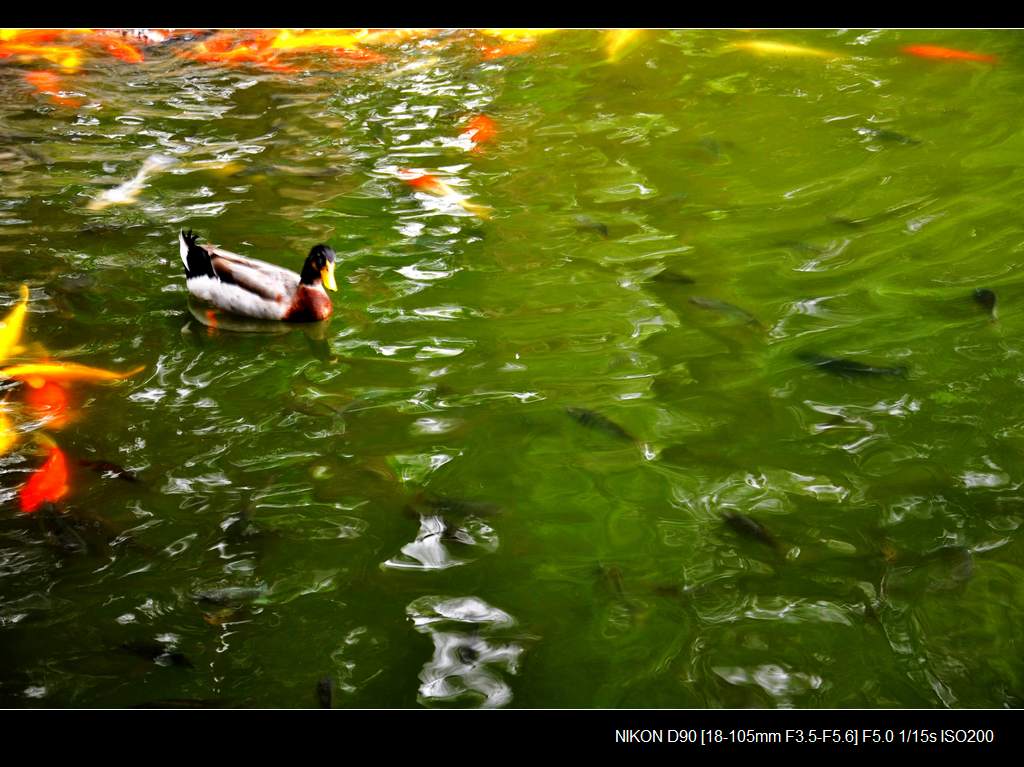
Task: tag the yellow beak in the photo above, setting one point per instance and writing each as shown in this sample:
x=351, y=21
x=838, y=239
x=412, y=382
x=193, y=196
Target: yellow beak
x=327, y=275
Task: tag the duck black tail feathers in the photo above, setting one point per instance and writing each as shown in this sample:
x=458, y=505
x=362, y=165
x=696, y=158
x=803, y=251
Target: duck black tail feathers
x=196, y=260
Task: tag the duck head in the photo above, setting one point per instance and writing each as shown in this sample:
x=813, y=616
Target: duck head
x=319, y=266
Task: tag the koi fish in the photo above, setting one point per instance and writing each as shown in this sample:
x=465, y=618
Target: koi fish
x=479, y=130
x=585, y=223
x=10, y=331
x=593, y=420
x=128, y=192
x=987, y=299
x=230, y=48
x=47, y=82
x=37, y=374
x=749, y=528
x=785, y=49
x=938, y=52
x=8, y=434
x=49, y=401
x=619, y=42
x=291, y=40
x=395, y=36
x=726, y=308
x=491, y=52
x=69, y=59
x=341, y=42
x=48, y=484
x=107, y=469
x=31, y=36
x=847, y=368
x=123, y=51
x=429, y=183
x=157, y=652
x=517, y=35
x=325, y=692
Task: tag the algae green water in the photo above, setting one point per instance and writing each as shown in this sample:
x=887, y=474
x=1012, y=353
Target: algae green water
x=498, y=476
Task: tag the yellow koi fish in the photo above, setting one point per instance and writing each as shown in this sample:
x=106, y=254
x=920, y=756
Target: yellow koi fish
x=619, y=42
x=8, y=434
x=517, y=35
x=290, y=40
x=785, y=49
x=10, y=331
x=36, y=375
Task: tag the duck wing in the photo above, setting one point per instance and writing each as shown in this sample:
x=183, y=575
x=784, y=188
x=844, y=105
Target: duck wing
x=263, y=279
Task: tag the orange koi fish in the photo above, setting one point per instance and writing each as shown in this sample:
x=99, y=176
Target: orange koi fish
x=48, y=83
x=230, y=48
x=70, y=59
x=491, y=52
x=48, y=484
x=10, y=330
x=122, y=50
x=37, y=374
x=50, y=401
x=31, y=36
x=937, y=52
x=435, y=186
x=480, y=130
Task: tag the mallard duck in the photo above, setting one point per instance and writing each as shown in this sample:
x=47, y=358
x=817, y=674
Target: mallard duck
x=252, y=288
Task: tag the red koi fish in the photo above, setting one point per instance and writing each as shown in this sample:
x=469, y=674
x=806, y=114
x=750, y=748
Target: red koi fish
x=480, y=130
x=51, y=401
x=49, y=483
x=937, y=52
x=48, y=83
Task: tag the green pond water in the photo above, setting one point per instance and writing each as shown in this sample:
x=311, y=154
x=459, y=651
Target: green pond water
x=418, y=501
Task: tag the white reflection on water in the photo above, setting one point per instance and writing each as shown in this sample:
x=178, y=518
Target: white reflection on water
x=780, y=684
x=466, y=666
x=428, y=551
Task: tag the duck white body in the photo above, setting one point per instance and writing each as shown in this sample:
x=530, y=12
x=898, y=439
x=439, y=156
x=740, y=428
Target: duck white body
x=252, y=288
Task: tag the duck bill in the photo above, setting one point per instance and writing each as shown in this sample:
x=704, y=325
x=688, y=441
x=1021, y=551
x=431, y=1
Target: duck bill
x=327, y=275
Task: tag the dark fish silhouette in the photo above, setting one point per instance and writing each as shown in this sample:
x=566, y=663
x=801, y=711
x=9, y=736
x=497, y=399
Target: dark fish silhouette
x=726, y=308
x=749, y=528
x=230, y=594
x=987, y=299
x=183, y=703
x=156, y=652
x=611, y=577
x=848, y=368
x=669, y=277
x=596, y=421
x=112, y=469
x=884, y=134
x=850, y=223
x=427, y=503
x=325, y=692
x=587, y=224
